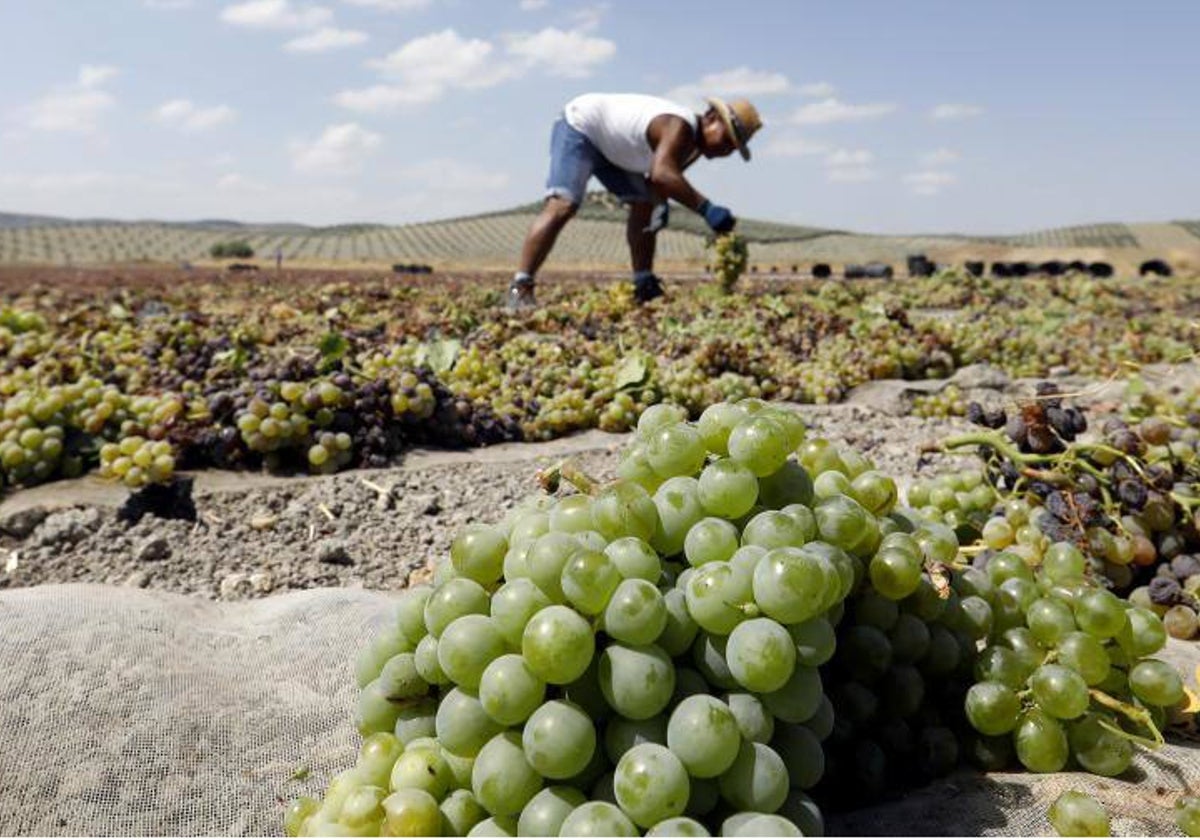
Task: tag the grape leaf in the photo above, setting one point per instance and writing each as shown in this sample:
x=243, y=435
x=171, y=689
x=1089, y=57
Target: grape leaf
x=333, y=346
x=442, y=353
x=633, y=371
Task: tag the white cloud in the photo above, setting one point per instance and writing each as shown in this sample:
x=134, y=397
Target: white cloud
x=443, y=59
x=849, y=158
x=276, y=14
x=533, y=5
x=832, y=110
x=379, y=99
x=794, y=147
x=426, y=68
x=391, y=5
x=167, y=5
x=851, y=175
x=187, y=116
x=588, y=18
x=94, y=75
x=455, y=176
x=740, y=81
x=325, y=40
x=339, y=150
x=76, y=107
x=939, y=157
x=562, y=53
x=817, y=90
x=952, y=111
x=929, y=182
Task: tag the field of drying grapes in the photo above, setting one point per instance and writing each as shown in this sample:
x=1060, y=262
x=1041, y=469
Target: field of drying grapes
x=737, y=562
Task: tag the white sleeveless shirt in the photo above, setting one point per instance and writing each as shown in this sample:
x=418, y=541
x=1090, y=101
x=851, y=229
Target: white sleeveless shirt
x=616, y=123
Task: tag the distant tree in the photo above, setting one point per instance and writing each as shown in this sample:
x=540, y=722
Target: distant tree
x=236, y=249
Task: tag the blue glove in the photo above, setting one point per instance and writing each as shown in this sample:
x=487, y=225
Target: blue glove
x=659, y=217
x=719, y=218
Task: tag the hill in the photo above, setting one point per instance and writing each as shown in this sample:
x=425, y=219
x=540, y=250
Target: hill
x=595, y=239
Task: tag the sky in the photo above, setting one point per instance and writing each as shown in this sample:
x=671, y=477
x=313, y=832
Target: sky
x=879, y=115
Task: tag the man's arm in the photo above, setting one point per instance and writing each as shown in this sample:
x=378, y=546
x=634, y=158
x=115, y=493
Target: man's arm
x=674, y=142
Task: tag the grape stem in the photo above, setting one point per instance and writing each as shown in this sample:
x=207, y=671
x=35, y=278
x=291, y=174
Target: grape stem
x=1139, y=716
x=572, y=473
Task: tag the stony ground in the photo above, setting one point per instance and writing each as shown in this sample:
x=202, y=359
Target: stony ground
x=259, y=534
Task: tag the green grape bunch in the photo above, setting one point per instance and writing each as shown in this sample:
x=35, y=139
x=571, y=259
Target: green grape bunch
x=731, y=254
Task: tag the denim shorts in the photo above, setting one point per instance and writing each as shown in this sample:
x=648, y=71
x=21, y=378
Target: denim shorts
x=574, y=159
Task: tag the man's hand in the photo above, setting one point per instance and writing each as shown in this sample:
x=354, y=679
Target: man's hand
x=659, y=217
x=719, y=218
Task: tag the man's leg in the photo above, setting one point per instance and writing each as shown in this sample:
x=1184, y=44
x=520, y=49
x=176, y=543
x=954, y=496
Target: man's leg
x=641, y=241
x=543, y=232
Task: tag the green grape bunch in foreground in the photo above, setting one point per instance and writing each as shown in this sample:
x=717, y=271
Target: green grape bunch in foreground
x=742, y=629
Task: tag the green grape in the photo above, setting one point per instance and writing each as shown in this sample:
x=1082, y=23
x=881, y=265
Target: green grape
x=547, y=557
x=466, y=647
x=589, y=580
x=872, y=609
x=753, y=720
x=1099, y=613
x=625, y=509
x=676, y=449
x=298, y=811
x=1187, y=815
x=376, y=757
x=417, y=719
x=634, y=558
x=1005, y=565
x=1050, y=620
x=1062, y=561
x=1143, y=635
x=545, y=813
x=637, y=681
x=410, y=612
x=799, y=698
x=558, y=644
x=790, y=484
x=657, y=416
x=679, y=631
x=373, y=657
x=461, y=812
x=895, y=574
x=1097, y=749
x=463, y=725
x=1155, y=682
x=495, y=827
x=874, y=491
x=362, y=813
x=992, y=708
x=502, y=779
x=704, y=733
x=909, y=639
x=760, y=444
x=864, y=653
x=598, y=819
x=513, y=605
x=845, y=523
x=757, y=780
x=374, y=712
x=802, y=755
x=528, y=527
x=1084, y=655
x=453, y=599
x=636, y=614
x=975, y=617
x=678, y=827
x=815, y=641
x=716, y=597
x=762, y=825
x=803, y=812
x=585, y=692
x=509, y=691
x=775, y=529
x=426, y=660
x=423, y=768
x=790, y=585
x=1060, y=691
x=761, y=655
x=711, y=540
x=572, y=514
x=620, y=735
x=478, y=553
x=411, y=812
x=822, y=722
x=1041, y=742
x=558, y=739
x=679, y=508
x=1075, y=814
x=651, y=784
x=717, y=421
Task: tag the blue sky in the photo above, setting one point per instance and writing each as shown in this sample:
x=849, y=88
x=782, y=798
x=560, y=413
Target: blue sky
x=880, y=116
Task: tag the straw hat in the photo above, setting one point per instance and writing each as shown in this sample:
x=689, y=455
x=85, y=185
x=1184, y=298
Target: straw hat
x=740, y=118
